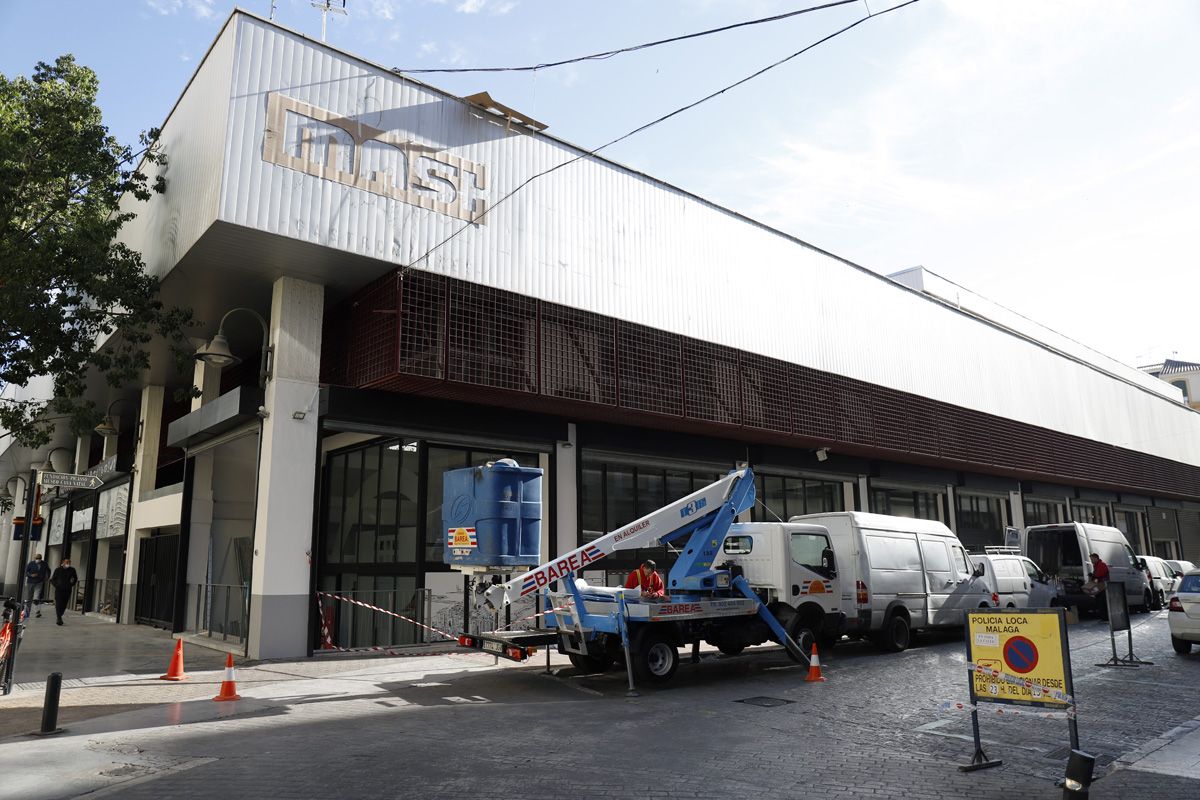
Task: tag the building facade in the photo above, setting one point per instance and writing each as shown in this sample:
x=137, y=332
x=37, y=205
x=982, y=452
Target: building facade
x=635, y=341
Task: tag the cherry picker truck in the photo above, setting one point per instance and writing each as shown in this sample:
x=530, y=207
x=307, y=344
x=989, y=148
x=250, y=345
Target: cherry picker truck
x=593, y=625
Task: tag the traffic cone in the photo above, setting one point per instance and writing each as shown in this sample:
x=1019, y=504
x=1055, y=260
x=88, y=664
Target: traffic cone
x=229, y=684
x=814, y=667
x=175, y=671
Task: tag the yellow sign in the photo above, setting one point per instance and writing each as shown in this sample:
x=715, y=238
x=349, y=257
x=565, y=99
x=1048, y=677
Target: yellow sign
x=1018, y=657
x=462, y=537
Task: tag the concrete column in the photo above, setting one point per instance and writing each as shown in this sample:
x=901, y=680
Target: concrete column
x=145, y=460
x=207, y=379
x=280, y=599
x=566, y=505
x=12, y=565
x=83, y=451
x=1017, y=505
x=864, y=493
x=110, y=446
x=951, y=509
x=5, y=546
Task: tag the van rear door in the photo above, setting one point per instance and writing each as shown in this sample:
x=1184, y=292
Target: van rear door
x=941, y=580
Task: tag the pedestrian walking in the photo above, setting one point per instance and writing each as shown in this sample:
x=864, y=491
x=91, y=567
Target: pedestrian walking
x=36, y=573
x=63, y=580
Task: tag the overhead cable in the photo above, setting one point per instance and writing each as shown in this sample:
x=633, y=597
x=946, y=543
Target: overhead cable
x=610, y=53
x=647, y=126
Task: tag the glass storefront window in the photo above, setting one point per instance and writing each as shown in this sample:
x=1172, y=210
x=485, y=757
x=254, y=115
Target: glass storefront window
x=781, y=498
x=911, y=503
x=980, y=519
x=1091, y=513
x=1042, y=512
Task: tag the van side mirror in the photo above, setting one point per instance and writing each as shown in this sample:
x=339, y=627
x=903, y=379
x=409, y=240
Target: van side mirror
x=978, y=571
x=1141, y=564
x=1178, y=574
x=828, y=564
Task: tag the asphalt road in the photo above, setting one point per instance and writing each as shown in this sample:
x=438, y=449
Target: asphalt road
x=726, y=727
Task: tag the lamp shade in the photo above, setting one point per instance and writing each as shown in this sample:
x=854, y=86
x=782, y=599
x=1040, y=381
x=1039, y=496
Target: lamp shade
x=106, y=428
x=217, y=352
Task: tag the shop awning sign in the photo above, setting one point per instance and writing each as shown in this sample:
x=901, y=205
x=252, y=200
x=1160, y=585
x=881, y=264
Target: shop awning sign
x=67, y=480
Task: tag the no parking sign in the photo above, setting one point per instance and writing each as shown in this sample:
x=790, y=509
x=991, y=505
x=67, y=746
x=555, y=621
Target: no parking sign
x=1019, y=657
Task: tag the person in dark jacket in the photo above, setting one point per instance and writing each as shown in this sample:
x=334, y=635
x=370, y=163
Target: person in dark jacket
x=63, y=580
x=36, y=572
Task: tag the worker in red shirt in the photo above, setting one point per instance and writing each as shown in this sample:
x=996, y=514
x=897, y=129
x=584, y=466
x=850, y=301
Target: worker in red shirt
x=1099, y=575
x=647, y=579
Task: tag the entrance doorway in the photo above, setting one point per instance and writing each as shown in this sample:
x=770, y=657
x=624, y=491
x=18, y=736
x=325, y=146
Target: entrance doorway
x=157, y=562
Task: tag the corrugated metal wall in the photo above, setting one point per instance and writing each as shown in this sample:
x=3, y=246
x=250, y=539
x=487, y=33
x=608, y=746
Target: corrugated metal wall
x=194, y=141
x=604, y=240
x=431, y=335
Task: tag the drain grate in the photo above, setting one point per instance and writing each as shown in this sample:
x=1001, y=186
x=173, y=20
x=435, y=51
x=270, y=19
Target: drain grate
x=765, y=702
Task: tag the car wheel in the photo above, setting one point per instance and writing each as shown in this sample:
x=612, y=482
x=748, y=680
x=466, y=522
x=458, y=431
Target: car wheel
x=896, y=634
x=1162, y=600
x=1144, y=608
x=1182, y=647
x=656, y=658
x=801, y=632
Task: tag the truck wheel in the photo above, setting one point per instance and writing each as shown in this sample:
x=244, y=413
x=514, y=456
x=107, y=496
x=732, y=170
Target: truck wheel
x=1182, y=647
x=802, y=634
x=731, y=649
x=656, y=658
x=896, y=634
x=590, y=664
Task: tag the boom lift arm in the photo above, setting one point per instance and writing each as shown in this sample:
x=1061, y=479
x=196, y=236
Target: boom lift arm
x=674, y=521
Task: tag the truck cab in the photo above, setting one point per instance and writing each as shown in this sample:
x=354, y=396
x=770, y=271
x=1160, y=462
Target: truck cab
x=792, y=567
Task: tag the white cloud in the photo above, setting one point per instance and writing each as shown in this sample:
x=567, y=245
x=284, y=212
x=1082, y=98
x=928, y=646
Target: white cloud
x=1043, y=154
x=493, y=7
x=383, y=9
x=427, y=48
x=201, y=9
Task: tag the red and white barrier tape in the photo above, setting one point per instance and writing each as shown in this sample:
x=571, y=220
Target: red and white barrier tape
x=351, y=600
x=1006, y=711
x=1016, y=680
x=535, y=616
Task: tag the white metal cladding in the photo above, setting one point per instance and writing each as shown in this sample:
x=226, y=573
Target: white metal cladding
x=193, y=139
x=600, y=237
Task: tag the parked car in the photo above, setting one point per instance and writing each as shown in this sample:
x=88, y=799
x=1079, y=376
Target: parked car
x=1015, y=581
x=1162, y=580
x=897, y=575
x=1062, y=552
x=1180, y=568
x=1184, y=613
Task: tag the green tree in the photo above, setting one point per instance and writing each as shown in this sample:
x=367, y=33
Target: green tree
x=66, y=283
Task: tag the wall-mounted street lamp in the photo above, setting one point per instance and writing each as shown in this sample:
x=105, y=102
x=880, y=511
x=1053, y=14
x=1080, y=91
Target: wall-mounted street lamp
x=217, y=351
x=48, y=464
x=6, y=496
x=108, y=427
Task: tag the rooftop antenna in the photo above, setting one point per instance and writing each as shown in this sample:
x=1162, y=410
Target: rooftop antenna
x=336, y=6
x=272, y=14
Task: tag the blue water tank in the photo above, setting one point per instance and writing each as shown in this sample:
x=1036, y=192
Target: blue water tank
x=492, y=516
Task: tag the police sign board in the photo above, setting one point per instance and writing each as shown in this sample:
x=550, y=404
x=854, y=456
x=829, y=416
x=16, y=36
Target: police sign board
x=1019, y=657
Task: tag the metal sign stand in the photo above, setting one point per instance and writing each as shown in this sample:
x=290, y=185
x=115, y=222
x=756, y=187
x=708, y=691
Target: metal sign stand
x=980, y=760
x=1118, y=620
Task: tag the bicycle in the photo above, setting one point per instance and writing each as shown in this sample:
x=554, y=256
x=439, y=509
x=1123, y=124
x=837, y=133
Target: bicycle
x=10, y=639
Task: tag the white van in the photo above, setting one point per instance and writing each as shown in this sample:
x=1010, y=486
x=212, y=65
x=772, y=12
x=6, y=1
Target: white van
x=1016, y=581
x=890, y=575
x=1062, y=552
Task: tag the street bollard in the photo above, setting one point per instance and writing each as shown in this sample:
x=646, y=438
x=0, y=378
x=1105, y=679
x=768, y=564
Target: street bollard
x=50, y=706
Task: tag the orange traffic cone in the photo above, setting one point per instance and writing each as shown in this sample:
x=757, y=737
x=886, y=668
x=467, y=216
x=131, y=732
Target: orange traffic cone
x=175, y=671
x=229, y=684
x=814, y=667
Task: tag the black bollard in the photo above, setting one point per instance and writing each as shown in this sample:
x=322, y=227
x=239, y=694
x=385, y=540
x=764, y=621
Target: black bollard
x=50, y=705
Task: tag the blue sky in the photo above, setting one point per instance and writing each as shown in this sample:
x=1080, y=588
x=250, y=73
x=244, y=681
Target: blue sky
x=1043, y=154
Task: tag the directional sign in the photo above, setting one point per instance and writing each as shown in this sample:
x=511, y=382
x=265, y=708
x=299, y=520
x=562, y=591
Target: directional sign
x=66, y=480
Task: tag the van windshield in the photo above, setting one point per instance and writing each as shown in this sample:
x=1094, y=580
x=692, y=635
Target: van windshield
x=1056, y=550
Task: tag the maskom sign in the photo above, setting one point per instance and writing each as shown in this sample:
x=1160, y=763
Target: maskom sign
x=321, y=143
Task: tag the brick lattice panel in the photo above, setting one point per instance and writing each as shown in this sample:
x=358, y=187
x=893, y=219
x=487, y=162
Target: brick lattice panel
x=440, y=336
